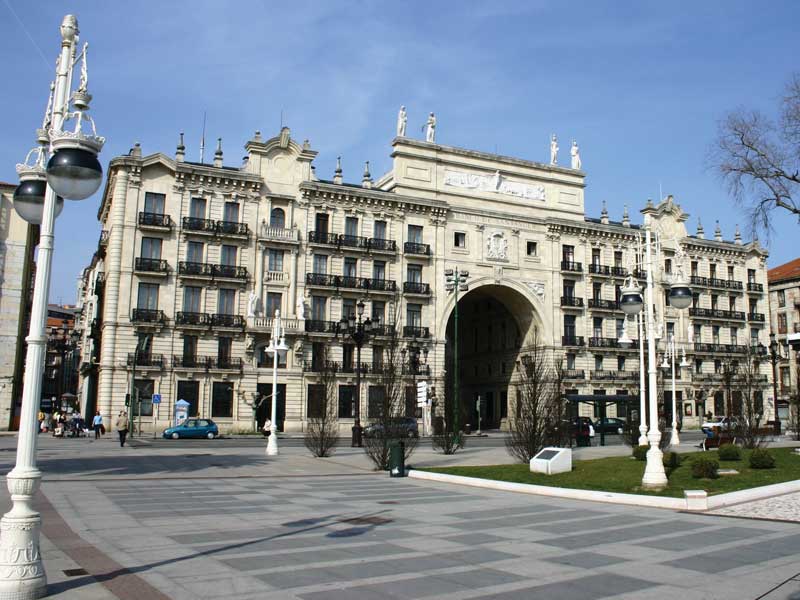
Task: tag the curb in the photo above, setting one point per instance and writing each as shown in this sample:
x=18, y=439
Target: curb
x=693, y=500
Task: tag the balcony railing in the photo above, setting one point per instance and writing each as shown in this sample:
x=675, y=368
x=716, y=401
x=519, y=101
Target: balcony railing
x=572, y=301
x=574, y=374
x=414, y=331
x=319, y=326
x=417, y=248
x=756, y=317
x=615, y=375
x=350, y=367
x=416, y=287
x=199, y=225
x=189, y=362
x=229, y=272
x=382, y=245
x=148, y=219
x=639, y=274
x=720, y=348
x=572, y=340
x=146, y=360
x=151, y=265
x=192, y=318
x=411, y=369
x=359, y=283
x=232, y=228
x=384, y=330
x=379, y=285
x=265, y=323
x=195, y=269
x=752, y=286
x=222, y=320
x=227, y=363
x=318, y=366
x=323, y=237
x=147, y=315
x=353, y=241
x=716, y=313
x=598, y=269
x=601, y=304
x=603, y=342
x=572, y=267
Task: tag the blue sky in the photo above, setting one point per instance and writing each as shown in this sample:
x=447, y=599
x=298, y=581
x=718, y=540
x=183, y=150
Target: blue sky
x=640, y=85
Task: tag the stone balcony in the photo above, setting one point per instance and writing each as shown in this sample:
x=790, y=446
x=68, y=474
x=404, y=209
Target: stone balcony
x=268, y=233
x=264, y=324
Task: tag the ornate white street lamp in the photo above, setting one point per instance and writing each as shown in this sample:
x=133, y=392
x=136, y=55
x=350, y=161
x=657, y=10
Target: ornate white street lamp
x=631, y=304
x=669, y=360
x=277, y=347
x=73, y=172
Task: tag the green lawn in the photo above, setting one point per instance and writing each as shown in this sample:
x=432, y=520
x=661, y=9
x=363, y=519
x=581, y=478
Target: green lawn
x=624, y=474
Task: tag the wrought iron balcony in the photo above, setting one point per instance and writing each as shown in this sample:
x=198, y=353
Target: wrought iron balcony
x=382, y=245
x=639, y=274
x=320, y=326
x=601, y=304
x=414, y=331
x=323, y=237
x=195, y=269
x=198, y=225
x=189, y=362
x=574, y=374
x=232, y=228
x=318, y=366
x=752, y=286
x=350, y=367
x=571, y=266
x=598, y=269
x=756, y=317
x=719, y=348
x=321, y=279
x=157, y=220
x=384, y=330
x=353, y=241
x=615, y=375
x=603, y=342
x=225, y=363
x=359, y=283
x=571, y=301
x=417, y=248
x=379, y=285
x=147, y=315
x=146, y=360
x=229, y=272
x=572, y=340
x=150, y=265
x=192, y=319
x=223, y=320
x=411, y=369
x=716, y=313
x=416, y=287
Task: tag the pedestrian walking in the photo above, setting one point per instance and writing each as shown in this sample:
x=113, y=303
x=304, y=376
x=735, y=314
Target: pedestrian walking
x=40, y=418
x=267, y=429
x=97, y=424
x=122, y=427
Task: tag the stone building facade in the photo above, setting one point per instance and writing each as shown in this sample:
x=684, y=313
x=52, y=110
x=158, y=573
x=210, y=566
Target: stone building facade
x=784, y=316
x=194, y=259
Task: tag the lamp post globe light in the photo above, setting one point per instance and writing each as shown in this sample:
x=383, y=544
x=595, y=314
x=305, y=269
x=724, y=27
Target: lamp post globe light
x=631, y=302
x=277, y=347
x=75, y=177
x=359, y=331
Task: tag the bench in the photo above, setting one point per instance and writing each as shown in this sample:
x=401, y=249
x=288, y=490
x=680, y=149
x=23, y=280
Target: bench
x=717, y=439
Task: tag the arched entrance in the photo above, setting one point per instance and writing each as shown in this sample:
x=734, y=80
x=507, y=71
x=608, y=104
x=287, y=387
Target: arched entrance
x=496, y=323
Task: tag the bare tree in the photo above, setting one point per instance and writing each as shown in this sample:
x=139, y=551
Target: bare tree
x=322, y=430
x=255, y=404
x=446, y=440
x=540, y=415
x=759, y=159
x=387, y=406
x=750, y=383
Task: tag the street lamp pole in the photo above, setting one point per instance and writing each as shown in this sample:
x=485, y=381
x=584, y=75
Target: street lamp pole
x=456, y=281
x=642, y=400
x=773, y=356
x=72, y=172
x=277, y=346
x=674, y=439
x=358, y=331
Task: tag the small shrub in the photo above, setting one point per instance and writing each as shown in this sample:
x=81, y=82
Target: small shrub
x=730, y=452
x=672, y=460
x=640, y=452
x=705, y=468
x=762, y=459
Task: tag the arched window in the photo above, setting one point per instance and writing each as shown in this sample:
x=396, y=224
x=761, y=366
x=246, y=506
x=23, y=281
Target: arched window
x=277, y=218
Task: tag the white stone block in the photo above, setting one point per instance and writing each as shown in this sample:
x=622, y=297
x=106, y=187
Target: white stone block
x=551, y=461
x=696, y=499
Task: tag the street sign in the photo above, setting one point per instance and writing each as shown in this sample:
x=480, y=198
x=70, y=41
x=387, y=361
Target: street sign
x=156, y=398
x=422, y=391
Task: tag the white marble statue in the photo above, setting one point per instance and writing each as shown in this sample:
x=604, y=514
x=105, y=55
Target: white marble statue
x=576, y=156
x=252, y=305
x=401, y=122
x=301, y=308
x=430, y=135
x=553, y=150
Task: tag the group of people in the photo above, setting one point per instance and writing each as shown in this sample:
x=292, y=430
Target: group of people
x=121, y=425
x=75, y=426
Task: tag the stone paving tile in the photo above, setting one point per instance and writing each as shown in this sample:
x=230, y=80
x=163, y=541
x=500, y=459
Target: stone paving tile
x=715, y=537
x=592, y=586
x=739, y=555
x=585, y=560
x=785, y=508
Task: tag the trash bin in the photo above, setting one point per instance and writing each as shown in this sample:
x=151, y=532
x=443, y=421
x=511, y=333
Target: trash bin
x=397, y=459
x=467, y=428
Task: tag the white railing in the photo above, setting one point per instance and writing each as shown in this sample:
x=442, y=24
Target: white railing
x=275, y=276
x=279, y=234
x=266, y=323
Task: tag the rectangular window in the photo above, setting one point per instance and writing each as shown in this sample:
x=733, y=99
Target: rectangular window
x=197, y=208
x=320, y=264
x=379, y=230
x=350, y=267
x=144, y=398
x=670, y=329
x=377, y=359
x=154, y=203
x=569, y=326
x=321, y=223
x=712, y=269
x=570, y=361
x=190, y=392
x=273, y=303
x=415, y=234
x=698, y=365
x=414, y=315
x=620, y=363
x=379, y=269
x=717, y=366
x=222, y=400
x=194, y=252
x=190, y=347
x=351, y=226
x=668, y=266
x=781, y=298
x=265, y=359
x=316, y=401
x=730, y=272
x=731, y=303
x=348, y=354
x=275, y=260
x=460, y=239
x=224, y=345
x=318, y=308
x=598, y=363
x=378, y=311
x=414, y=273
x=226, y=304
x=618, y=258
x=568, y=253
x=782, y=327
x=148, y=296
x=348, y=308
x=715, y=334
x=698, y=333
x=231, y=212
x=597, y=327
x=786, y=379
x=694, y=268
x=151, y=248
x=753, y=336
x=734, y=335
x=714, y=301
x=531, y=248
x=597, y=291
x=595, y=256
x=191, y=299
x=347, y=401
x=376, y=401
x=620, y=327
x=318, y=356
x=569, y=288
x=228, y=256
x=751, y=275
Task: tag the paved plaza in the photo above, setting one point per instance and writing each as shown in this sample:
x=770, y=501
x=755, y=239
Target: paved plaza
x=218, y=519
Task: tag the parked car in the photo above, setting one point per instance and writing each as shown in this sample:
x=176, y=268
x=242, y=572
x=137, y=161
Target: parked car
x=722, y=422
x=582, y=429
x=193, y=428
x=610, y=425
x=405, y=427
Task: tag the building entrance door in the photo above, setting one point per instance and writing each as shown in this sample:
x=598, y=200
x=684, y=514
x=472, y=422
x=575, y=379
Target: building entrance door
x=265, y=409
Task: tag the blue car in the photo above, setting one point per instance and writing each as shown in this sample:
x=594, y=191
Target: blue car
x=193, y=428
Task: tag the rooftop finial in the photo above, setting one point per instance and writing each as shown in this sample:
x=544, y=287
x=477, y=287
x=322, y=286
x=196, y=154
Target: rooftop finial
x=136, y=151
x=180, y=150
x=718, y=233
x=626, y=220
x=701, y=233
x=337, y=174
x=257, y=136
x=737, y=237
x=604, y=214
x=218, y=153
x=366, y=180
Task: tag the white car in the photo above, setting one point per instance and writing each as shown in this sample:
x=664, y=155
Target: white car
x=721, y=422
